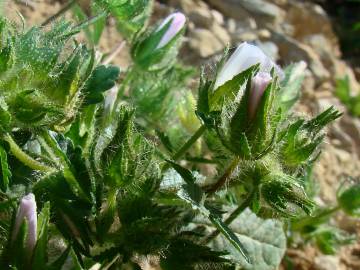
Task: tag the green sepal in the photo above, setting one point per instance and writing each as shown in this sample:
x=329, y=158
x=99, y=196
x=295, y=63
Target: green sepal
x=282, y=193
x=263, y=118
x=230, y=89
x=40, y=257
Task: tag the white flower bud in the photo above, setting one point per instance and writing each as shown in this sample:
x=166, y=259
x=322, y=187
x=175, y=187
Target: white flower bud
x=177, y=23
x=245, y=56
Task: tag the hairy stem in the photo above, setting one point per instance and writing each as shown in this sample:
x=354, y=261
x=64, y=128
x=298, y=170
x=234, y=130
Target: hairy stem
x=187, y=145
x=54, y=147
x=222, y=180
x=25, y=158
x=90, y=21
x=59, y=13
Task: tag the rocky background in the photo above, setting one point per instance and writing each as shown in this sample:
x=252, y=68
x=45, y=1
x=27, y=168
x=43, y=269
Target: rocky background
x=288, y=31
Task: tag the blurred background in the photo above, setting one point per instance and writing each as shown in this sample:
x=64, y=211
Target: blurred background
x=323, y=33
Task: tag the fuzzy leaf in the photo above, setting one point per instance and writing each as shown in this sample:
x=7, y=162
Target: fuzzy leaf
x=185, y=255
x=103, y=78
x=193, y=194
x=265, y=241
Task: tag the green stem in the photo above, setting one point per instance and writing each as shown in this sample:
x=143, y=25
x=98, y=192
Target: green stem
x=187, y=145
x=52, y=157
x=25, y=158
x=91, y=20
x=59, y=13
x=222, y=180
x=232, y=216
x=54, y=147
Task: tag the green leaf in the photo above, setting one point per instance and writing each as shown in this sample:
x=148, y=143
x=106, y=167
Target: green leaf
x=112, y=135
x=264, y=239
x=330, y=239
x=342, y=90
x=103, y=78
x=316, y=124
x=193, y=194
x=131, y=15
x=231, y=237
x=5, y=172
x=165, y=140
x=185, y=255
x=349, y=199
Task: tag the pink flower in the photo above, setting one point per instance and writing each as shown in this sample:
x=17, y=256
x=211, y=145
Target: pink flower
x=177, y=23
x=258, y=86
x=27, y=210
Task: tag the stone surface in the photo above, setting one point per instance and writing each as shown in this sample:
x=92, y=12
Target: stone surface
x=326, y=262
x=238, y=9
x=204, y=42
x=292, y=50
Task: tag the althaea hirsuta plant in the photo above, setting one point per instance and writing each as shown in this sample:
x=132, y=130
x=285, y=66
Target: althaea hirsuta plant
x=123, y=173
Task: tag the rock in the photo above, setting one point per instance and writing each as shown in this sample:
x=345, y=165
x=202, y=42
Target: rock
x=240, y=9
x=264, y=33
x=230, y=9
x=316, y=21
x=292, y=50
x=341, y=70
x=244, y=36
x=321, y=45
x=201, y=17
x=245, y=30
x=326, y=262
x=218, y=17
x=269, y=49
x=221, y=33
x=351, y=126
x=205, y=42
x=231, y=25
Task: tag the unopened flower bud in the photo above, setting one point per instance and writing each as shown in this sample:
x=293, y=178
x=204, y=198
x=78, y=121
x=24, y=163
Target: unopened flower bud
x=245, y=56
x=27, y=210
x=258, y=85
x=158, y=50
x=177, y=23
